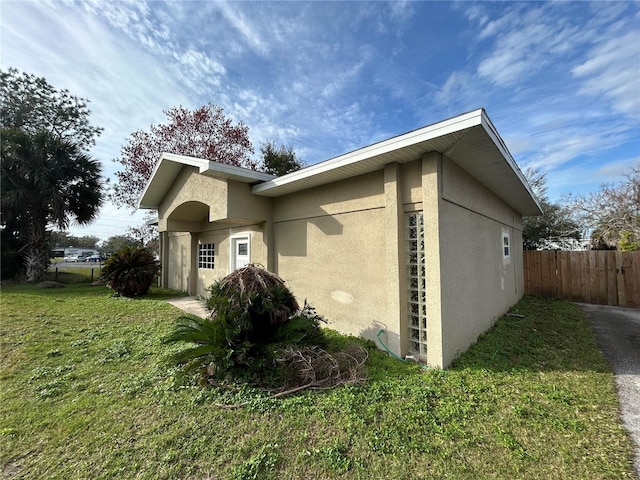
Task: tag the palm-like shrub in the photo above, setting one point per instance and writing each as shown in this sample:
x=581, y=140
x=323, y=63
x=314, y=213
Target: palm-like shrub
x=254, y=316
x=130, y=271
x=256, y=299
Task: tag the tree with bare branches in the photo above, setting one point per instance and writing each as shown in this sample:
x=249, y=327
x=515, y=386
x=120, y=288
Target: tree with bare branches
x=554, y=227
x=612, y=213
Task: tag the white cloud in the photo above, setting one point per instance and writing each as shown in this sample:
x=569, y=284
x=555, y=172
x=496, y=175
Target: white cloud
x=525, y=43
x=401, y=10
x=476, y=12
x=127, y=88
x=338, y=82
x=612, y=69
x=459, y=85
x=585, y=178
x=495, y=27
x=330, y=77
x=244, y=27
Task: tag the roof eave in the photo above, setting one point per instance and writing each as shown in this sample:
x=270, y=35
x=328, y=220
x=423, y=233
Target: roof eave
x=447, y=132
x=171, y=163
x=501, y=145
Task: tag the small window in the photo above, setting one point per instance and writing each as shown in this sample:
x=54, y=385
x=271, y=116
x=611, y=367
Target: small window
x=206, y=252
x=506, y=248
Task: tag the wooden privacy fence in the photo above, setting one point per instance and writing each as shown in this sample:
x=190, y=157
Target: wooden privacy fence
x=598, y=276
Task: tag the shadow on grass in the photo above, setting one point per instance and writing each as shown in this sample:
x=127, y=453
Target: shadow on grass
x=541, y=334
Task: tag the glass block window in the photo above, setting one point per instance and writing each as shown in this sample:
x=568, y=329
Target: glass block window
x=416, y=285
x=206, y=252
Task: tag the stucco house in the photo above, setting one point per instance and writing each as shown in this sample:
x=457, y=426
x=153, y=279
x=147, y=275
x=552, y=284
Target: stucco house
x=418, y=236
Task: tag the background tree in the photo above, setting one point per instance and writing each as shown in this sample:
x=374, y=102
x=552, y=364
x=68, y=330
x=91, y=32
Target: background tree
x=554, y=228
x=146, y=233
x=44, y=181
x=63, y=239
x=31, y=104
x=612, y=213
x=118, y=242
x=204, y=133
x=47, y=178
x=280, y=160
x=86, y=241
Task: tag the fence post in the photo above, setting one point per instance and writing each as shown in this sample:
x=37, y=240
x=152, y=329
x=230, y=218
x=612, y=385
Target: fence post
x=622, y=294
x=91, y=274
x=56, y=277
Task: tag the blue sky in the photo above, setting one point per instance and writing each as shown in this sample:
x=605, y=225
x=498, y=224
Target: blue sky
x=560, y=80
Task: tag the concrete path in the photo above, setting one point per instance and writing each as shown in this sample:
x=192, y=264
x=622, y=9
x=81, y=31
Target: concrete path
x=618, y=333
x=190, y=305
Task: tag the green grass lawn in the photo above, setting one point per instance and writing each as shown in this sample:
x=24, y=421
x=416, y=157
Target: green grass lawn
x=88, y=392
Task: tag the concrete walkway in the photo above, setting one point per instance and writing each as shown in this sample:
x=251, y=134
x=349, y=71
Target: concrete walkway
x=618, y=333
x=190, y=305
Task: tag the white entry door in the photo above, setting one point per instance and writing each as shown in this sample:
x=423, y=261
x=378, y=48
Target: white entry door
x=240, y=253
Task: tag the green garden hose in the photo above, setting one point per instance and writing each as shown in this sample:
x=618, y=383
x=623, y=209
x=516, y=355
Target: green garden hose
x=387, y=348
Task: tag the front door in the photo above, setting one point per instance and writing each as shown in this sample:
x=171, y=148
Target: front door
x=240, y=253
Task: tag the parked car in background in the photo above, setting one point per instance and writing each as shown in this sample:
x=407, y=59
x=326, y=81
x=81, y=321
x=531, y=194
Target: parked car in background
x=95, y=258
x=80, y=258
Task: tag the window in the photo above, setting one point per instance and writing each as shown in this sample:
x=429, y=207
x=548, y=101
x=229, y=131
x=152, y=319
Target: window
x=416, y=285
x=206, y=252
x=506, y=249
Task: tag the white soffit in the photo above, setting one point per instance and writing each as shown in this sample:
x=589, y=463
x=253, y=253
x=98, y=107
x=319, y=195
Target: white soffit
x=170, y=164
x=403, y=148
x=470, y=140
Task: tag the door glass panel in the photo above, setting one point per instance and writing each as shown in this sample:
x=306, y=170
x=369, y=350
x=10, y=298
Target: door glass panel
x=242, y=249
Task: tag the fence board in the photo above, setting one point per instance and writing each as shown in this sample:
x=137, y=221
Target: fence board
x=565, y=273
x=575, y=293
x=622, y=291
x=604, y=277
x=631, y=276
x=612, y=286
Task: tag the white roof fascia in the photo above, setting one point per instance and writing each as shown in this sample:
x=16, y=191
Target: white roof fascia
x=164, y=157
x=497, y=140
x=423, y=134
x=184, y=159
x=204, y=167
x=236, y=173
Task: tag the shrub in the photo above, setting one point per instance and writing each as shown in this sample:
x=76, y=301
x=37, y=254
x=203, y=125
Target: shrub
x=256, y=292
x=130, y=271
x=254, y=316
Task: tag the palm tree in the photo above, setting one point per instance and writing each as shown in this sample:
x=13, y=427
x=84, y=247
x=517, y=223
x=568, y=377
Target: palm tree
x=45, y=181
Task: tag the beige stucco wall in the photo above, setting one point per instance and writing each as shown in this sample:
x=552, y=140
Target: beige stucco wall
x=190, y=186
x=354, y=194
x=178, y=261
x=182, y=254
x=329, y=245
x=221, y=200
x=477, y=285
x=221, y=238
x=209, y=210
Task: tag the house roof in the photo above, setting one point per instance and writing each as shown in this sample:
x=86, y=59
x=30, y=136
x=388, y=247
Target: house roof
x=170, y=164
x=470, y=140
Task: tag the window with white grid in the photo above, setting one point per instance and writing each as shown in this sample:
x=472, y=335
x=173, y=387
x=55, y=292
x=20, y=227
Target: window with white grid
x=506, y=247
x=206, y=252
x=416, y=285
